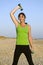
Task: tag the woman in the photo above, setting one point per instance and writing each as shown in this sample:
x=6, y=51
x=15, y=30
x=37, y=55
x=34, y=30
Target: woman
x=24, y=39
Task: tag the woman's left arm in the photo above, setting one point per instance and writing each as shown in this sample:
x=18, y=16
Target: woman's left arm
x=30, y=36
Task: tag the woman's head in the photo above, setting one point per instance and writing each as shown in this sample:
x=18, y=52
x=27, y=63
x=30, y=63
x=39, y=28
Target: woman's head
x=21, y=17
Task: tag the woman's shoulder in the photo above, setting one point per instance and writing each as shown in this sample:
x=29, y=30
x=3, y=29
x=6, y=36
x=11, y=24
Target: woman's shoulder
x=29, y=26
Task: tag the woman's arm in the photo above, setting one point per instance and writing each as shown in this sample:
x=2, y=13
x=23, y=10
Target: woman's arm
x=29, y=36
x=13, y=17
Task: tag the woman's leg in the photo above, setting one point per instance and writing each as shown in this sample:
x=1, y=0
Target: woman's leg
x=16, y=55
x=27, y=53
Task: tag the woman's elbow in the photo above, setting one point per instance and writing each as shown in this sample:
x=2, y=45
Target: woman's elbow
x=10, y=13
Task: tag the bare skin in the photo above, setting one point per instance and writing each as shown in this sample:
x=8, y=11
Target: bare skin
x=22, y=23
x=13, y=17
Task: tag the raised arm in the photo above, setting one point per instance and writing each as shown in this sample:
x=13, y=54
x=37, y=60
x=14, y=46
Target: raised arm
x=13, y=17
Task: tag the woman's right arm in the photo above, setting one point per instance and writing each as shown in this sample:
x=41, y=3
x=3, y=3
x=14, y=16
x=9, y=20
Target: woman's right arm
x=13, y=17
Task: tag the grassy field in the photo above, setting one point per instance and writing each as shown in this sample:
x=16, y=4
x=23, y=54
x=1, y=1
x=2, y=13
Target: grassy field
x=7, y=48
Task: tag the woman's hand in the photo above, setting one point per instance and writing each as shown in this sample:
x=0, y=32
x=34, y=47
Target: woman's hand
x=32, y=49
x=20, y=7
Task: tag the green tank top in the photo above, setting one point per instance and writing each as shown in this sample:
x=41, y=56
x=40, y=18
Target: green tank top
x=22, y=35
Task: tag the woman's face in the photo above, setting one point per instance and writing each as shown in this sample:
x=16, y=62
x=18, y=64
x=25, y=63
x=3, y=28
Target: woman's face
x=22, y=18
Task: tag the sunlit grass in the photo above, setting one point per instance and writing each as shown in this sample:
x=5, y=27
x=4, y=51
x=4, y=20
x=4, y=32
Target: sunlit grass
x=7, y=48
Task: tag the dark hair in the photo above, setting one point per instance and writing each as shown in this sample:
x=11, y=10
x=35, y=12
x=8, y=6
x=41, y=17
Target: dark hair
x=22, y=14
x=25, y=23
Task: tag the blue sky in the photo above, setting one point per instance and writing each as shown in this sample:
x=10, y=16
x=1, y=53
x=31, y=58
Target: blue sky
x=33, y=10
